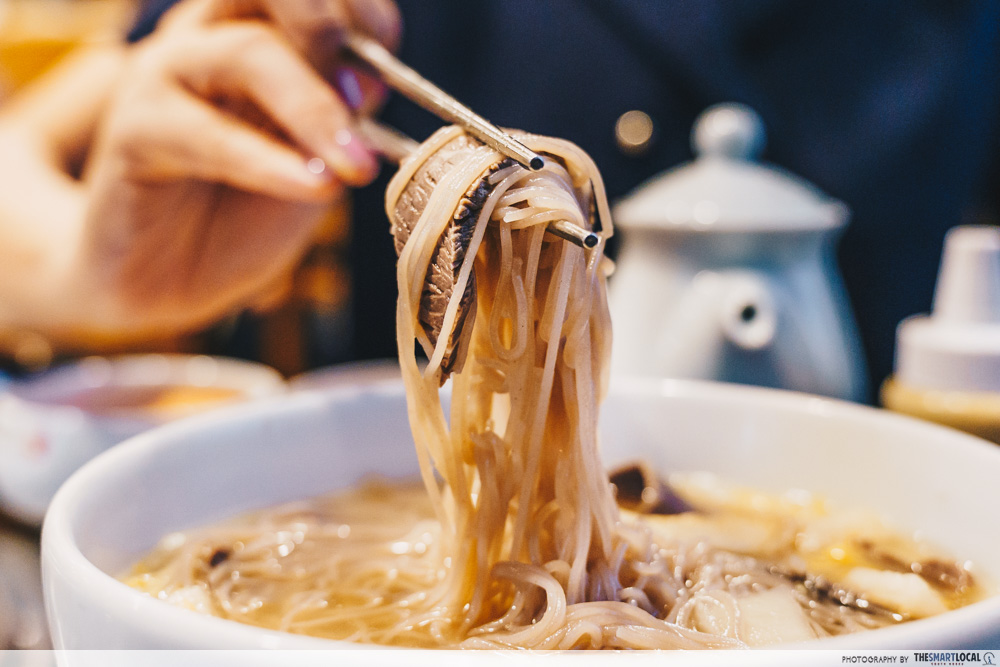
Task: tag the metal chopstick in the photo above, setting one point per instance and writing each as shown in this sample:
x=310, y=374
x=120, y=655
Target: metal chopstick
x=393, y=145
x=573, y=233
x=384, y=140
x=421, y=91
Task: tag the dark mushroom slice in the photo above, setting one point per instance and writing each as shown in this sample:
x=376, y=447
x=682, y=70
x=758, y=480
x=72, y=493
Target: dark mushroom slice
x=219, y=556
x=452, y=247
x=639, y=489
x=820, y=589
x=950, y=577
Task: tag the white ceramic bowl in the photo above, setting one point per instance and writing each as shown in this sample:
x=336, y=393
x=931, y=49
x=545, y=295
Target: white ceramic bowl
x=45, y=434
x=204, y=469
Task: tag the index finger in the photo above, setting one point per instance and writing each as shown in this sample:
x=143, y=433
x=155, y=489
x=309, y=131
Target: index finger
x=316, y=27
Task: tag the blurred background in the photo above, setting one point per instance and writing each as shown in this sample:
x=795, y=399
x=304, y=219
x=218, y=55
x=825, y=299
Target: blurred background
x=891, y=108
x=35, y=34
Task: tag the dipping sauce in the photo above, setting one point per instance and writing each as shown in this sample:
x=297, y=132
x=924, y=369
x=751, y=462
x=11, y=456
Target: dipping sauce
x=160, y=401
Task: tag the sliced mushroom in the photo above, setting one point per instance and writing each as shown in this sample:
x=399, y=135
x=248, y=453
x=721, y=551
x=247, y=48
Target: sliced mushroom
x=819, y=588
x=452, y=247
x=944, y=575
x=639, y=489
x=419, y=175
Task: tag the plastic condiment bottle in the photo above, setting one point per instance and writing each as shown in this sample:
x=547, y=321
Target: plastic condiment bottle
x=948, y=362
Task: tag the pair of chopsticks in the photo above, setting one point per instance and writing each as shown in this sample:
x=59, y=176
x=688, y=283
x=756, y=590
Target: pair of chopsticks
x=410, y=83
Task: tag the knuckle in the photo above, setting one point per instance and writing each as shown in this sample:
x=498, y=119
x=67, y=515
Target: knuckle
x=133, y=147
x=381, y=18
x=162, y=57
x=216, y=149
x=249, y=37
x=318, y=15
x=150, y=57
x=218, y=58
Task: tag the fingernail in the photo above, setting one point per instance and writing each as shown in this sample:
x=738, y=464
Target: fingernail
x=316, y=166
x=316, y=174
x=360, y=158
x=350, y=87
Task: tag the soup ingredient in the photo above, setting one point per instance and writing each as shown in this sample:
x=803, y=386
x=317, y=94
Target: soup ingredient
x=637, y=487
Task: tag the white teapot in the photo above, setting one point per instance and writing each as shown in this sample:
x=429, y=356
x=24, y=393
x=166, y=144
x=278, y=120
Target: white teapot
x=727, y=272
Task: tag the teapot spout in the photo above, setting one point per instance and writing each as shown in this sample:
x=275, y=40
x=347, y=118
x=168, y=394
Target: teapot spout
x=719, y=310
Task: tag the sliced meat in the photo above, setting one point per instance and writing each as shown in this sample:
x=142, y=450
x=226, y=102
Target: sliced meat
x=446, y=263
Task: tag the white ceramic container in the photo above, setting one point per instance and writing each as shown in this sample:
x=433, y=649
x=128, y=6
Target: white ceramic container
x=115, y=509
x=46, y=432
x=727, y=271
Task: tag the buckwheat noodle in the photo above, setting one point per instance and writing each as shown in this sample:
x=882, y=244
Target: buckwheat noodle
x=514, y=474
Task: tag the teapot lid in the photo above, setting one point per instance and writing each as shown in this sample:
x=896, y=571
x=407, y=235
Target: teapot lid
x=726, y=189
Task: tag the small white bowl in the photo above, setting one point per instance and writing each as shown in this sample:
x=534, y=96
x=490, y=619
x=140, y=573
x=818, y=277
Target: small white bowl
x=115, y=509
x=350, y=374
x=52, y=423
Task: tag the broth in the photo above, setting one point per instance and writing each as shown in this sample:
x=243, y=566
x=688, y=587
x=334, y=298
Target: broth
x=780, y=572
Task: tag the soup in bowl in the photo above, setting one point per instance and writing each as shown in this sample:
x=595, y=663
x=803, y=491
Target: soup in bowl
x=107, y=517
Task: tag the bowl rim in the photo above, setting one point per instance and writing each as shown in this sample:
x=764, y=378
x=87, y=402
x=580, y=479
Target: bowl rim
x=60, y=551
x=148, y=369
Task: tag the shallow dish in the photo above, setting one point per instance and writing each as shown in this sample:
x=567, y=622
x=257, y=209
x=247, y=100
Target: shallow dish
x=52, y=423
x=917, y=475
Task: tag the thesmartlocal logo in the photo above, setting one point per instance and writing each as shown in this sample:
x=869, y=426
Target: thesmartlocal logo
x=955, y=657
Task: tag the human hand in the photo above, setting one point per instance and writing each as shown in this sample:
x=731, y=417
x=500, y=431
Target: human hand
x=218, y=155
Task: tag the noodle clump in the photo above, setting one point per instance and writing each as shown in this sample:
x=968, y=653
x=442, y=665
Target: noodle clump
x=530, y=523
